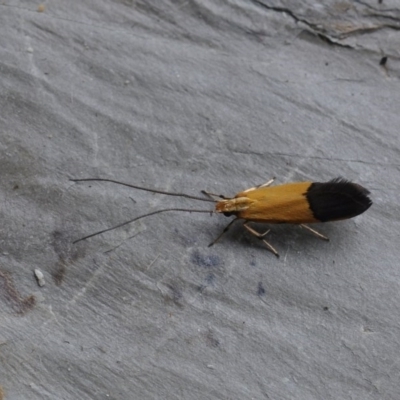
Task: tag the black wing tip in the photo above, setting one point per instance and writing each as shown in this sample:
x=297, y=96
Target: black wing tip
x=337, y=199
x=356, y=189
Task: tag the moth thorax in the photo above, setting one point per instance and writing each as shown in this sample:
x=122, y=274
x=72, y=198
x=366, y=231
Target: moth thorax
x=233, y=205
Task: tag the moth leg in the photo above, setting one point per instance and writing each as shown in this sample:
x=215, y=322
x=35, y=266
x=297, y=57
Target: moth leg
x=316, y=233
x=261, y=236
x=220, y=196
x=259, y=186
x=220, y=235
x=211, y=195
x=266, y=183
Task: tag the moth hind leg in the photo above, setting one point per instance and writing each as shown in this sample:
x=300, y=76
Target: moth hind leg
x=316, y=233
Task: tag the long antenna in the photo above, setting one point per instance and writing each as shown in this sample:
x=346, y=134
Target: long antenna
x=188, y=196
x=140, y=217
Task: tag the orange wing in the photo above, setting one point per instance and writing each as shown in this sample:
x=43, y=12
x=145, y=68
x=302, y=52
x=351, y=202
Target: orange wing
x=274, y=205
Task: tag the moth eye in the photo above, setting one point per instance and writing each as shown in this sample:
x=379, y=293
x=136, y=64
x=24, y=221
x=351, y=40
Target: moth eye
x=228, y=214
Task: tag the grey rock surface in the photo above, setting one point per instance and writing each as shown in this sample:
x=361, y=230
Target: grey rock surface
x=184, y=96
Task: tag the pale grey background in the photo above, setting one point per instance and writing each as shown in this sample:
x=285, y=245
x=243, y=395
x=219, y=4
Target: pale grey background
x=191, y=95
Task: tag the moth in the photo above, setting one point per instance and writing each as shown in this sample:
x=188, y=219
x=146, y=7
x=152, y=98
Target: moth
x=296, y=203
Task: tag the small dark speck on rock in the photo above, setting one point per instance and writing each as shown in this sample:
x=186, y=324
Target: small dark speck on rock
x=208, y=260
x=260, y=290
x=175, y=294
x=208, y=281
x=212, y=341
x=210, y=278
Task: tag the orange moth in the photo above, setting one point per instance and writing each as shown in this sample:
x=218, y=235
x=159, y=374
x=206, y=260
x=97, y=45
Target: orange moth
x=297, y=203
